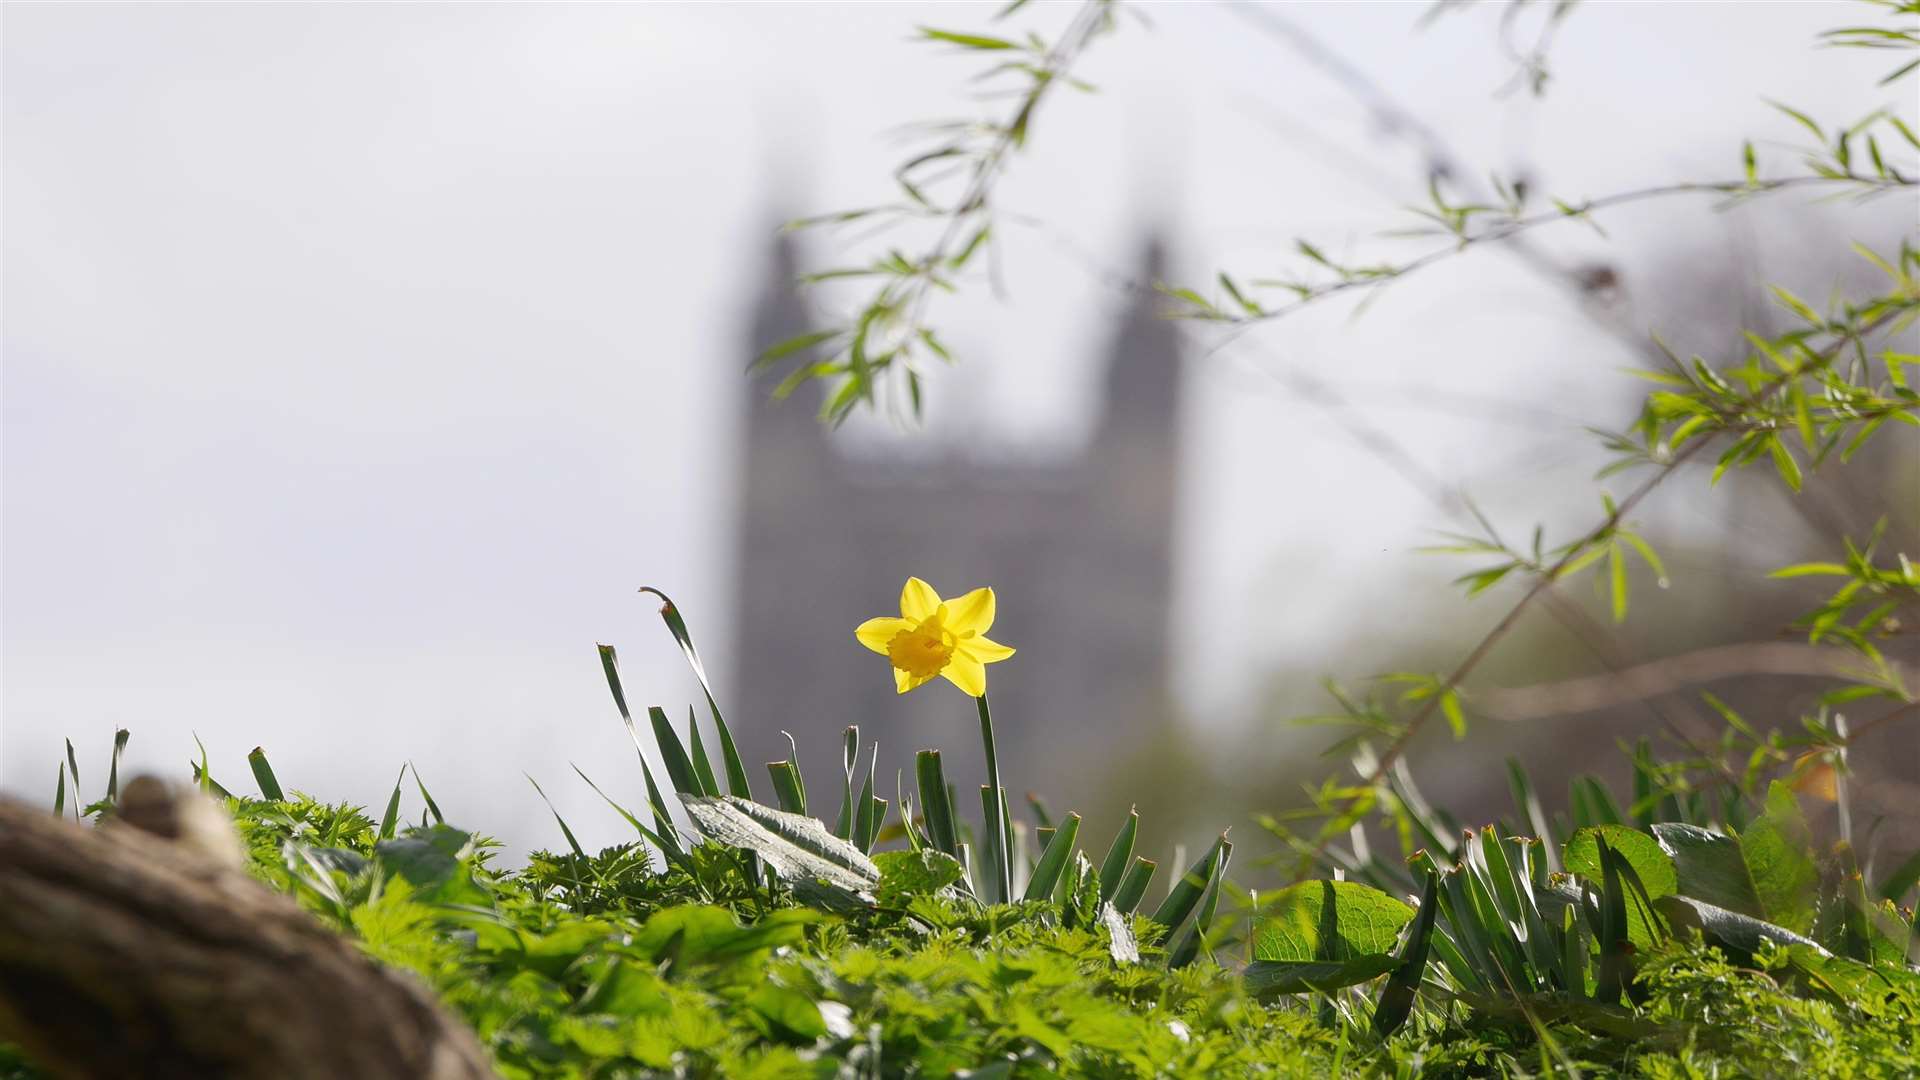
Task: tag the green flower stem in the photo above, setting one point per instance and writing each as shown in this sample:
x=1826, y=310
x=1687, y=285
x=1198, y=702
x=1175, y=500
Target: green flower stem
x=998, y=826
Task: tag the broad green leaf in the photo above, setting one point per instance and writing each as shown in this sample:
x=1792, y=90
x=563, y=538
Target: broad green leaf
x=1270, y=978
x=263, y=773
x=1329, y=921
x=1582, y=856
x=1766, y=872
x=697, y=934
x=906, y=874
x=1728, y=929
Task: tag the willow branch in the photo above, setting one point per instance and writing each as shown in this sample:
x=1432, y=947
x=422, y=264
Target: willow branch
x=1668, y=675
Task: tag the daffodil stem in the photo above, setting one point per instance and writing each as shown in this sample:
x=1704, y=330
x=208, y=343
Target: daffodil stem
x=999, y=827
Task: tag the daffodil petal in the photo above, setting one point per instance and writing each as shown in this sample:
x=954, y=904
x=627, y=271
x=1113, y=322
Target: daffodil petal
x=985, y=650
x=966, y=673
x=918, y=600
x=904, y=681
x=972, y=613
x=875, y=634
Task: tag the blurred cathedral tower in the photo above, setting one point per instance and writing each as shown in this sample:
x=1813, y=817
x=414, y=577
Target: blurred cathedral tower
x=1079, y=553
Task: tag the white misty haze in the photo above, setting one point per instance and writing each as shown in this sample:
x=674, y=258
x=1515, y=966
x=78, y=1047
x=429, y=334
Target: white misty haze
x=360, y=361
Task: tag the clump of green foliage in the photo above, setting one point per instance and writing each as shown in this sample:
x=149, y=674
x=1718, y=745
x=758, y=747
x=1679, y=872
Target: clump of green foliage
x=711, y=964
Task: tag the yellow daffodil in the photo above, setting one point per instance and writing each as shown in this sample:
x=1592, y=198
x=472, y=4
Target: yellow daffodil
x=936, y=637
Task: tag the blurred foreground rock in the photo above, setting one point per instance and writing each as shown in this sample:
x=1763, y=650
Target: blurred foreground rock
x=140, y=949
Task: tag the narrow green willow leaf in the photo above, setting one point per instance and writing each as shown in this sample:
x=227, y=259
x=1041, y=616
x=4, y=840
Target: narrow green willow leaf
x=1053, y=860
x=1119, y=853
x=1133, y=888
x=263, y=774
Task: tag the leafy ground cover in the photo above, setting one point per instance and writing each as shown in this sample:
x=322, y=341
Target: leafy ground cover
x=1679, y=937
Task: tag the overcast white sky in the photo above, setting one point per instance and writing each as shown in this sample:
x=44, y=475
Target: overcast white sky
x=361, y=360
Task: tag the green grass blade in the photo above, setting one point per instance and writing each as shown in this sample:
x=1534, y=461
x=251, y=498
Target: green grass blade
x=263, y=775
x=866, y=818
x=120, y=738
x=391, y=818
x=793, y=758
x=990, y=805
x=1054, y=859
x=849, y=762
x=1403, y=983
x=697, y=752
x=1529, y=806
x=736, y=769
x=432, y=807
x=935, y=803
x=662, y=820
x=60, y=792
x=667, y=843
x=1186, y=893
x=73, y=764
x=564, y=831
x=1904, y=877
x=673, y=754
x=1187, y=949
x=999, y=827
x=1114, y=866
x=1615, y=950
x=1042, y=817
x=1133, y=887
x=786, y=787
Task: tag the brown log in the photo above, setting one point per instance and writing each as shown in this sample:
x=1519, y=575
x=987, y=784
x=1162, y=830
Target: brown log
x=127, y=954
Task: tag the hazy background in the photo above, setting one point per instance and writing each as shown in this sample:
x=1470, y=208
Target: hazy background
x=360, y=361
